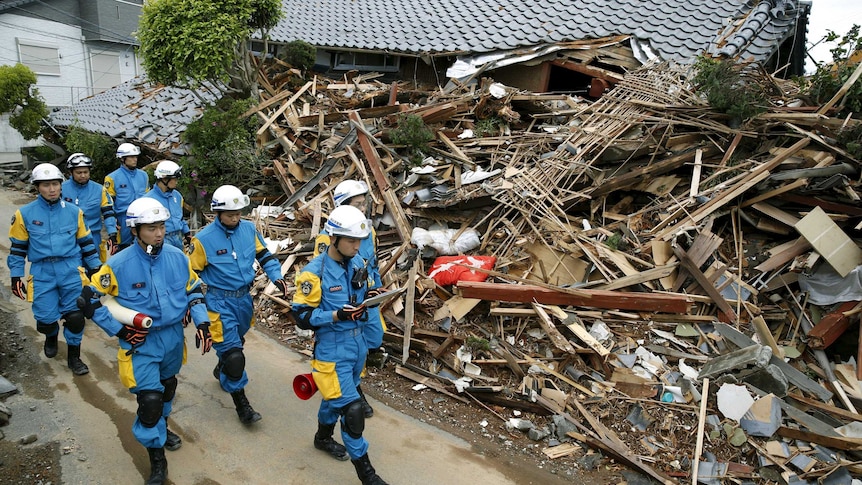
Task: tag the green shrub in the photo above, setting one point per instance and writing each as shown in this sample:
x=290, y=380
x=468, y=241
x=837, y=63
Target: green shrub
x=829, y=78
x=300, y=54
x=412, y=132
x=488, y=126
x=100, y=148
x=726, y=89
x=222, y=151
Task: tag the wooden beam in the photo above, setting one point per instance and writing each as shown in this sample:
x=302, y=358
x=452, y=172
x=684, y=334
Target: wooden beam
x=377, y=170
x=637, y=175
x=753, y=178
x=831, y=326
x=615, y=300
x=409, y=306
x=704, y=283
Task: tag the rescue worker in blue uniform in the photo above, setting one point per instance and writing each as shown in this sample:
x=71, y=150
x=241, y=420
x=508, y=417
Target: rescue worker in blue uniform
x=223, y=254
x=92, y=198
x=126, y=184
x=157, y=280
x=52, y=234
x=165, y=191
x=328, y=299
x=355, y=193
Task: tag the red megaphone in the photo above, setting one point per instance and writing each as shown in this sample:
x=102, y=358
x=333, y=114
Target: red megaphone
x=304, y=386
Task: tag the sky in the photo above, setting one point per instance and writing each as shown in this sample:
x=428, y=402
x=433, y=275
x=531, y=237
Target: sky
x=835, y=15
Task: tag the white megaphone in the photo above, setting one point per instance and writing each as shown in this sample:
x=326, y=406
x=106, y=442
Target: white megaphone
x=124, y=315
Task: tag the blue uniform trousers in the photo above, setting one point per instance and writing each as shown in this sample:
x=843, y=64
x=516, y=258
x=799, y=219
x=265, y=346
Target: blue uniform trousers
x=347, y=350
x=56, y=286
x=158, y=358
x=235, y=312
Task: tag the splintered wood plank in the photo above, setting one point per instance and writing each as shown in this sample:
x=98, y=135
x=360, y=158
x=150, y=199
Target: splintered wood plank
x=614, y=300
x=409, y=309
x=577, y=327
x=548, y=326
x=831, y=326
x=561, y=450
x=704, y=283
x=753, y=178
x=640, y=277
x=782, y=254
x=282, y=109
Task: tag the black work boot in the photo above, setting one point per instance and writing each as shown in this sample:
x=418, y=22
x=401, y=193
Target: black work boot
x=158, y=466
x=246, y=413
x=173, y=442
x=73, y=358
x=366, y=472
x=323, y=441
x=50, y=347
x=366, y=408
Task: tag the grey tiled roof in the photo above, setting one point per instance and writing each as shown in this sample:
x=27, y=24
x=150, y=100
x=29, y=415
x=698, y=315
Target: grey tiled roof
x=137, y=110
x=674, y=29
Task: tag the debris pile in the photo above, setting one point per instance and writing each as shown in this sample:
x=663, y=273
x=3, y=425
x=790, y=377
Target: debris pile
x=638, y=275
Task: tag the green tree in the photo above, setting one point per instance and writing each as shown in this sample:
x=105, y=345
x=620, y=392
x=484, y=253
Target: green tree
x=19, y=98
x=846, y=52
x=188, y=42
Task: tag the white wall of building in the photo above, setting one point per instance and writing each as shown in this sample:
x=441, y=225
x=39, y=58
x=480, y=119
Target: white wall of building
x=83, y=69
x=73, y=82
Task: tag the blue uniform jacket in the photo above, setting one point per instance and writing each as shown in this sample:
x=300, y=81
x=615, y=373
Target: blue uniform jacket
x=40, y=231
x=125, y=186
x=324, y=286
x=225, y=257
x=367, y=249
x=94, y=200
x=173, y=201
x=160, y=286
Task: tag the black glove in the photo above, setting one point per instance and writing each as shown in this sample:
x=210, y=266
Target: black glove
x=187, y=318
x=351, y=313
x=282, y=287
x=374, y=292
x=203, y=338
x=112, y=245
x=132, y=335
x=19, y=289
x=88, y=303
x=187, y=239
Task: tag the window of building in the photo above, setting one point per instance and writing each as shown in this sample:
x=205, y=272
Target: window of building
x=365, y=61
x=41, y=57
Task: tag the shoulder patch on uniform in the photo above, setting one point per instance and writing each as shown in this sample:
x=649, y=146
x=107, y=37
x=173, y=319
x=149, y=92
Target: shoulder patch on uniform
x=191, y=249
x=321, y=248
x=305, y=287
x=333, y=289
x=105, y=280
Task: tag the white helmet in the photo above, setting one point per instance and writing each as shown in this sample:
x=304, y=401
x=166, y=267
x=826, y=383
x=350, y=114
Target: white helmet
x=229, y=198
x=167, y=168
x=146, y=210
x=347, y=221
x=347, y=190
x=45, y=172
x=127, y=150
x=78, y=160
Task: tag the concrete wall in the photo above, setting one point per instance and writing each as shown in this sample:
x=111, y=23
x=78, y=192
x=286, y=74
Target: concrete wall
x=110, y=20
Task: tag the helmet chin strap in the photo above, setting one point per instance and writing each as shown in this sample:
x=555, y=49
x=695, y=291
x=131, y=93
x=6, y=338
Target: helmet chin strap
x=344, y=257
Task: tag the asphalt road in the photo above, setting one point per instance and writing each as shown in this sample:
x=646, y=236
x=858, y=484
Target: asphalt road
x=91, y=416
